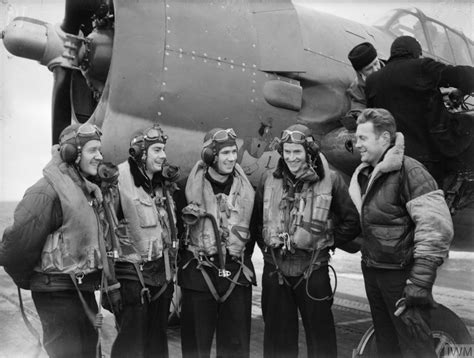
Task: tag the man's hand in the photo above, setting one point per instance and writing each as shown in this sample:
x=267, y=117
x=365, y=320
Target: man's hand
x=420, y=282
x=418, y=296
x=415, y=323
x=412, y=318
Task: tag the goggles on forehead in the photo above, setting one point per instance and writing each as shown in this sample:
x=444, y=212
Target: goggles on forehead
x=154, y=134
x=85, y=130
x=293, y=137
x=223, y=135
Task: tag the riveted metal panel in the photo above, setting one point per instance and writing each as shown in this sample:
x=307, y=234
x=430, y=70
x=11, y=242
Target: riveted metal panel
x=138, y=54
x=209, y=91
x=201, y=93
x=217, y=29
x=279, y=41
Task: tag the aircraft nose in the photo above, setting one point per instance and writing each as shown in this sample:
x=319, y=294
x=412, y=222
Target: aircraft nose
x=33, y=39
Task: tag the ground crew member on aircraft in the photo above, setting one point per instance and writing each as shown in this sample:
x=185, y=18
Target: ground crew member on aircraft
x=55, y=246
x=305, y=210
x=146, y=265
x=408, y=87
x=364, y=59
x=216, y=274
x=407, y=231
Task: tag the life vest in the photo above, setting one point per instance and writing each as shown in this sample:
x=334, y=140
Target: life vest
x=74, y=247
x=232, y=212
x=147, y=218
x=304, y=226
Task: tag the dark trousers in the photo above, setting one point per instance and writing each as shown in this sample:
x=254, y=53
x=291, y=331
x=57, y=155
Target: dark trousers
x=142, y=325
x=280, y=305
x=202, y=315
x=384, y=288
x=67, y=331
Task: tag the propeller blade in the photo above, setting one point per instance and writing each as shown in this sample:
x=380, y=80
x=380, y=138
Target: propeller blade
x=61, y=102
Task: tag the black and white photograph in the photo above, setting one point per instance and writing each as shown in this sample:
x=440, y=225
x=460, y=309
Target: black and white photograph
x=236, y=178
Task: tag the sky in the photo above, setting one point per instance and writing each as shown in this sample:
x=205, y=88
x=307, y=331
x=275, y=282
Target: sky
x=25, y=86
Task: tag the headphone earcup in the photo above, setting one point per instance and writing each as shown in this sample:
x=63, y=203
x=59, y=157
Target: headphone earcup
x=207, y=155
x=135, y=151
x=313, y=149
x=279, y=148
x=68, y=153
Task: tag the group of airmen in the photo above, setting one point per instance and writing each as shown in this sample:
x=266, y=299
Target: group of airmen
x=129, y=231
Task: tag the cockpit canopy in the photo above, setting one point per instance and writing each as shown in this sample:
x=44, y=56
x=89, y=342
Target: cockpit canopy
x=437, y=40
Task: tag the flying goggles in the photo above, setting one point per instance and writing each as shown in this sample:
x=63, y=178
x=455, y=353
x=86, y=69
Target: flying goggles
x=85, y=130
x=296, y=137
x=154, y=134
x=221, y=135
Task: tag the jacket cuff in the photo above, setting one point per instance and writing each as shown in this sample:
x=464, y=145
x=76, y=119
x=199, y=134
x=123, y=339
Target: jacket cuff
x=423, y=272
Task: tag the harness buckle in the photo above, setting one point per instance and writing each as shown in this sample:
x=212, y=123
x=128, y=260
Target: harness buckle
x=223, y=273
x=285, y=237
x=143, y=292
x=79, y=278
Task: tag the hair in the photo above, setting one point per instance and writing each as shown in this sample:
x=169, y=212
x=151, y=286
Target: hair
x=382, y=121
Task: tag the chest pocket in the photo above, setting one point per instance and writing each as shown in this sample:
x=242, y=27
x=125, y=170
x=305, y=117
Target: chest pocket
x=147, y=215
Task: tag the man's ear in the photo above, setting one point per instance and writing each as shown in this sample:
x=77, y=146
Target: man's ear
x=386, y=138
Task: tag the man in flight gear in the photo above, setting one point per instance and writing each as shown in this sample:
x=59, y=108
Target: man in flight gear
x=146, y=264
x=408, y=86
x=216, y=273
x=305, y=211
x=407, y=230
x=365, y=61
x=56, y=247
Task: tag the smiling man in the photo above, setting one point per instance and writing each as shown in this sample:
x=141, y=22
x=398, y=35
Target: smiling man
x=301, y=212
x=146, y=265
x=216, y=273
x=54, y=246
x=407, y=230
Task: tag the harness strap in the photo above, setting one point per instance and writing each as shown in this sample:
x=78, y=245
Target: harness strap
x=209, y=283
x=28, y=324
x=102, y=250
x=87, y=310
x=313, y=266
x=281, y=278
x=145, y=292
x=95, y=319
x=232, y=285
x=160, y=292
x=202, y=262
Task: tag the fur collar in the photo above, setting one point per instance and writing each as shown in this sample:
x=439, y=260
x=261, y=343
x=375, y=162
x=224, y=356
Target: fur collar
x=142, y=180
x=392, y=161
